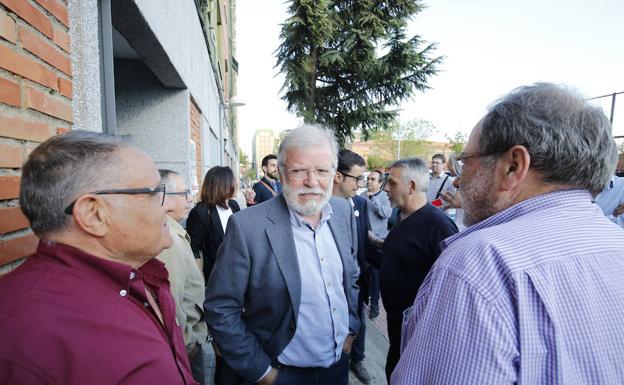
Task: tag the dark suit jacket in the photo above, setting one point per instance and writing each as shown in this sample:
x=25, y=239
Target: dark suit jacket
x=206, y=231
x=360, y=205
x=262, y=192
x=253, y=296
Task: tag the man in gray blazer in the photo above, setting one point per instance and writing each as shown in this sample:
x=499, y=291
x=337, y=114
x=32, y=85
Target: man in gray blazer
x=281, y=301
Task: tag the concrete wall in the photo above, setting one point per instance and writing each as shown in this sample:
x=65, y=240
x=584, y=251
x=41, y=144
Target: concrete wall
x=155, y=118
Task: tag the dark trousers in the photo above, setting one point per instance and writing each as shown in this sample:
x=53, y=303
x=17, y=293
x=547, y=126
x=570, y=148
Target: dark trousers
x=196, y=359
x=373, y=282
x=357, y=349
x=395, y=322
x=337, y=374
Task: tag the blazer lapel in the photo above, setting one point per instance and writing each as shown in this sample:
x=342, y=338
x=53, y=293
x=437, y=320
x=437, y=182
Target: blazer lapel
x=215, y=222
x=282, y=243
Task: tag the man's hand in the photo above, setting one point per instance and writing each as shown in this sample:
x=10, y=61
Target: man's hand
x=618, y=210
x=270, y=378
x=348, y=343
x=451, y=200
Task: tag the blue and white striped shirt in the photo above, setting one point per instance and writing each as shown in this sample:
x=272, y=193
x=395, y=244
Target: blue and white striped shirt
x=533, y=295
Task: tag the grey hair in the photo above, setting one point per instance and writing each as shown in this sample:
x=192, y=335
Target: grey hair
x=61, y=169
x=308, y=135
x=414, y=169
x=568, y=139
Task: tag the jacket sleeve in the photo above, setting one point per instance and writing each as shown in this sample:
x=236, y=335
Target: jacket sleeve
x=196, y=229
x=225, y=303
x=380, y=206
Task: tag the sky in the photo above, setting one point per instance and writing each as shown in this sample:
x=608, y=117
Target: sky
x=489, y=48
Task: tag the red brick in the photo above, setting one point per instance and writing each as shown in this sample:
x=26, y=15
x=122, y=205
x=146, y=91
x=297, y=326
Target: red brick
x=47, y=104
x=56, y=8
x=62, y=130
x=9, y=186
x=9, y=93
x=32, y=15
x=11, y=156
x=46, y=51
x=7, y=28
x=12, y=219
x=18, y=128
x=61, y=38
x=18, y=248
x=65, y=88
x=23, y=65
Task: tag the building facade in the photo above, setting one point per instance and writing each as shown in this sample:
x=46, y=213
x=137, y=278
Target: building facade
x=159, y=72
x=263, y=144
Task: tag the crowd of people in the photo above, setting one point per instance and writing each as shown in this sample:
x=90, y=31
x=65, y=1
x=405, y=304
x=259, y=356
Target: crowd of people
x=499, y=265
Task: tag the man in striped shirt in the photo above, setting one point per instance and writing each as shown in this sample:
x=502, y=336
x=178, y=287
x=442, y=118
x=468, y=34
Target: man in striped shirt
x=532, y=292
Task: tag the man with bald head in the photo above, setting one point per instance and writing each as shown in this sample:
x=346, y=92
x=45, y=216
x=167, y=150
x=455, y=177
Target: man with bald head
x=532, y=292
x=91, y=305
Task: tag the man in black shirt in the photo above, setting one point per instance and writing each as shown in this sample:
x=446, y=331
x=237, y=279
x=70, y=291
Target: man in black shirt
x=412, y=246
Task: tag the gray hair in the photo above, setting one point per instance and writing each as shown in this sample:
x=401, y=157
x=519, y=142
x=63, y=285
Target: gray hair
x=308, y=135
x=414, y=169
x=568, y=139
x=60, y=170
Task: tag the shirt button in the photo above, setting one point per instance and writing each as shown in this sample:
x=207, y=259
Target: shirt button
x=328, y=284
x=123, y=293
x=333, y=309
x=146, y=304
x=132, y=275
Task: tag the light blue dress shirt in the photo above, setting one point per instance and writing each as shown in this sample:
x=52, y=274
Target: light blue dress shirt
x=323, y=318
x=532, y=295
x=610, y=198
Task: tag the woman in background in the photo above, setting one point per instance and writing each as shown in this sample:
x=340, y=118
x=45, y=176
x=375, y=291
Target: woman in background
x=207, y=221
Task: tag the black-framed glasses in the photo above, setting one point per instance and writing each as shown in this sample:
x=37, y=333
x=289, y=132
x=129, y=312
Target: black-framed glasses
x=464, y=156
x=358, y=179
x=186, y=193
x=156, y=191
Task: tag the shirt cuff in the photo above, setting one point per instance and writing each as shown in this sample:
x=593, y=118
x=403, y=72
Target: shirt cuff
x=265, y=374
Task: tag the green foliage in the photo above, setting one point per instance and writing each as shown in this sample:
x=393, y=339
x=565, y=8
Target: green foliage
x=347, y=63
x=457, y=142
x=243, y=160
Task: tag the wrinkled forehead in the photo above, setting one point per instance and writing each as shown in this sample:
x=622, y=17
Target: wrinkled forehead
x=135, y=168
x=318, y=156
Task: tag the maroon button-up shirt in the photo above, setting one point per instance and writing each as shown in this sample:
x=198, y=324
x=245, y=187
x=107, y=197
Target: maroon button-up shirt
x=67, y=317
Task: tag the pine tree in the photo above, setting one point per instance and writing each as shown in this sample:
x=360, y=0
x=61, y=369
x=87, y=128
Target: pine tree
x=348, y=63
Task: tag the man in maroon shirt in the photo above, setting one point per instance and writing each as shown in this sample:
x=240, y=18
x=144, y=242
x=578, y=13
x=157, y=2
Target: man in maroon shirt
x=91, y=306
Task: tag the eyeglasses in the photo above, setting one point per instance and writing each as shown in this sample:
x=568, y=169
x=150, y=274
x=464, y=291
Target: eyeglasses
x=302, y=173
x=358, y=179
x=156, y=191
x=186, y=193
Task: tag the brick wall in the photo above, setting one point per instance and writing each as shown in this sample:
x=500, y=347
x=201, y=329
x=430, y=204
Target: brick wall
x=196, y=123
x=35, y=103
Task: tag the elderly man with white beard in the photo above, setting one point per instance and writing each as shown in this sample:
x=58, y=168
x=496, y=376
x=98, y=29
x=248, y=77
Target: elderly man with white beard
x=281, y=301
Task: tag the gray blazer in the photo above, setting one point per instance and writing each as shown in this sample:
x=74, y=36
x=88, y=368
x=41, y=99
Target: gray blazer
x=254, y=292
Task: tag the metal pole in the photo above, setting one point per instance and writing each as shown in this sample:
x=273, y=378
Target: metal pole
x=612, y=108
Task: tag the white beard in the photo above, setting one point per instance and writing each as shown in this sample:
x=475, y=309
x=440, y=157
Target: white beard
x=312, y=206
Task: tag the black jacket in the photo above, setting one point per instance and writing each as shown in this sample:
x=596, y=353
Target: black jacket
x=204, y=227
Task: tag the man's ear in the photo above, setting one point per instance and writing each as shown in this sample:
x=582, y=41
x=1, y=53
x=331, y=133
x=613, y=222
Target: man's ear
x=338, y=177
x=92, y=215
x=514, y=167
x=411, y=187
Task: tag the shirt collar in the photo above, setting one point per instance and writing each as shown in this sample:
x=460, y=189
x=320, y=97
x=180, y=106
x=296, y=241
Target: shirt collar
x=119, y=274
x=562, y=199
x=176, y=227
x=297, y=221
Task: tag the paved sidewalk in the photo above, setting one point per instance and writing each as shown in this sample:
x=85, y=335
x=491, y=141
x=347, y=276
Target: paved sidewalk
x=376, y=349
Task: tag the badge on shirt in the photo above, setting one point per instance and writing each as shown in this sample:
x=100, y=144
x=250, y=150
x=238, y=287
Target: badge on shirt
x=356, y=213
